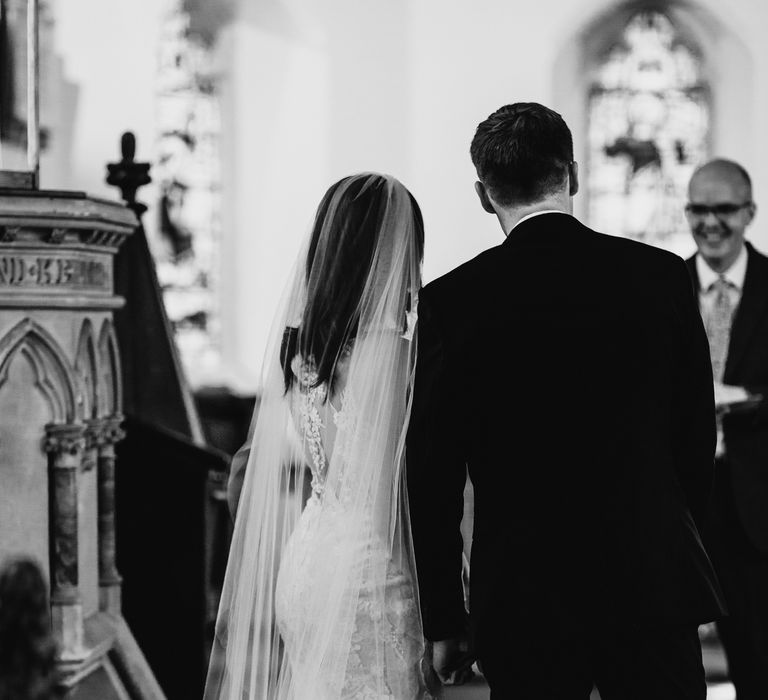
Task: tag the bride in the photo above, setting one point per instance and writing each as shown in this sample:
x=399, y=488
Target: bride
x=319, y=598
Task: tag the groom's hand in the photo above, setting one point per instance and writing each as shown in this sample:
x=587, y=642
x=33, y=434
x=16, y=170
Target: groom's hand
x=725, y=395
x=452, y=661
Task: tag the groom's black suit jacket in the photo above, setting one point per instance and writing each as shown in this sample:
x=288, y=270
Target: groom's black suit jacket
x=569, y=372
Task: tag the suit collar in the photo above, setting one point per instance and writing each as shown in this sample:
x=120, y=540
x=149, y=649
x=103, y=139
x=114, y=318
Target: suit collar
x=752, y=306
x=536, y=213
x=549, y=222
x=694, y=272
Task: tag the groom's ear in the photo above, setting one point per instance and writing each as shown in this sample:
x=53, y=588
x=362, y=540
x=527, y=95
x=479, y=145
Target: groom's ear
x=573, y=178
x=485, y=200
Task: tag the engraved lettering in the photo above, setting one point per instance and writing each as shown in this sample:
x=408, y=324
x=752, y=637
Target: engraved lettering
x=66, y=271
x=44, y=275
x=53, y=271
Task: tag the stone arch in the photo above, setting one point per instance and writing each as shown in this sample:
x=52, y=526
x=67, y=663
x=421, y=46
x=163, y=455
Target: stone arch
x=110, y=384
x=54, y=377
x=87, y=371
x=731, y=91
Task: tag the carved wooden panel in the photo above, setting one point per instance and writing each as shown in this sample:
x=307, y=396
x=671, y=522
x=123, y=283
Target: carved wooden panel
x=110, y=377
x=87, y=372
x=53, y=377
x=24, y=492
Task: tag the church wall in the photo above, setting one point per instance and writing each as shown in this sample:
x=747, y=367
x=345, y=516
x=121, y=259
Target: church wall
x=275, y=140
x=108, y=54
x=314, y=90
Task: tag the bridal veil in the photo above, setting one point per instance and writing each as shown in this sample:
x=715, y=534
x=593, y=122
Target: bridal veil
x=351, y=299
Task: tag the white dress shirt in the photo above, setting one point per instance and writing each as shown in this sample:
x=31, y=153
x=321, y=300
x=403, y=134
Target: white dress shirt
x=538, y=213
x=734, y=275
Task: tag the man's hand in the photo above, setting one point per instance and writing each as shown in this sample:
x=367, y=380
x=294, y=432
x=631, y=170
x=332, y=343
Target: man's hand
x=726, y=395
x=452, y=661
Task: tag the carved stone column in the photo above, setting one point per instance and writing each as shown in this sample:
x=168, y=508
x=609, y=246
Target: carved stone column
x=103, y=434
x=65, y=444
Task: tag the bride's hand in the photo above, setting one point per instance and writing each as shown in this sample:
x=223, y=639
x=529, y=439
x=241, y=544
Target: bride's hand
x=452, y=661
x=460, y=676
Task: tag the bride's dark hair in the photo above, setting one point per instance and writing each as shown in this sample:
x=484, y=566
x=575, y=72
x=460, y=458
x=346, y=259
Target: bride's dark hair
x=349, y=220
x=346, y=317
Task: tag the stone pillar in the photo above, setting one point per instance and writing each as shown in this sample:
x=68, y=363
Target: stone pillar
x=104, y=433
x=65, y=445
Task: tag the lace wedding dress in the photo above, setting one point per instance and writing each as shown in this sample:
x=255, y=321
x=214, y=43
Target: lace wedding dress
x=385, y=654
x=319, y=600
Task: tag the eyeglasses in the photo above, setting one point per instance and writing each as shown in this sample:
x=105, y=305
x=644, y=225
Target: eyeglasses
x=723, y=209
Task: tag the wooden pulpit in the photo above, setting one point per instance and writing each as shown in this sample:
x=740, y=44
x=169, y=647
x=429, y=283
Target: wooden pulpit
x=61, y=414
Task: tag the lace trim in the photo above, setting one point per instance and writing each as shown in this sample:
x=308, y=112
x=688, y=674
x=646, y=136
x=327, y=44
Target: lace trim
x=310, y=419
x=385, y=621
x=386, y=653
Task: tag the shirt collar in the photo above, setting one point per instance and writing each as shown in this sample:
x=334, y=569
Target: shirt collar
x=538, y=213
x=734, y=275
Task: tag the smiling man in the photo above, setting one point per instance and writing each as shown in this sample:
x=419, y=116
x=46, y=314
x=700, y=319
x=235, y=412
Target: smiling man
x=732, y=282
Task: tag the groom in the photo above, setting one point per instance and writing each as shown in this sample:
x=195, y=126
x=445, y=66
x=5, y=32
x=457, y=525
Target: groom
x=569, y=372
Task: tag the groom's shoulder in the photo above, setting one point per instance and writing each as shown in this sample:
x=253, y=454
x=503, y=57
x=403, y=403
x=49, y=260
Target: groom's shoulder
x=465, y=275
x=637, y=254
x=633, y=268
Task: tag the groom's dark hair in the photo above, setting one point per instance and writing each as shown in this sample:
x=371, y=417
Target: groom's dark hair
x=522, y=152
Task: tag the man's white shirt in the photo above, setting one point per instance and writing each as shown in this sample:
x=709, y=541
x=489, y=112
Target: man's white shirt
x=538, y=213
x=734, y=275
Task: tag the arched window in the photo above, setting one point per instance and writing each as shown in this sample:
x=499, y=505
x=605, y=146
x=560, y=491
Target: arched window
x=648, y=127
x=188, y=234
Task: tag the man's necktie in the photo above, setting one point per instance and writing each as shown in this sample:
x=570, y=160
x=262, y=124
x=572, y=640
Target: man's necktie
x=719, y=334
x=719, y=326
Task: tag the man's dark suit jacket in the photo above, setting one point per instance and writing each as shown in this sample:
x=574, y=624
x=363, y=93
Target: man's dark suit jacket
x=746, y=432
x=569, y=371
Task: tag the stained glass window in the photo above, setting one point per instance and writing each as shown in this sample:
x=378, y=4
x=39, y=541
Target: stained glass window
x=649, y=120
x=186, y=243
